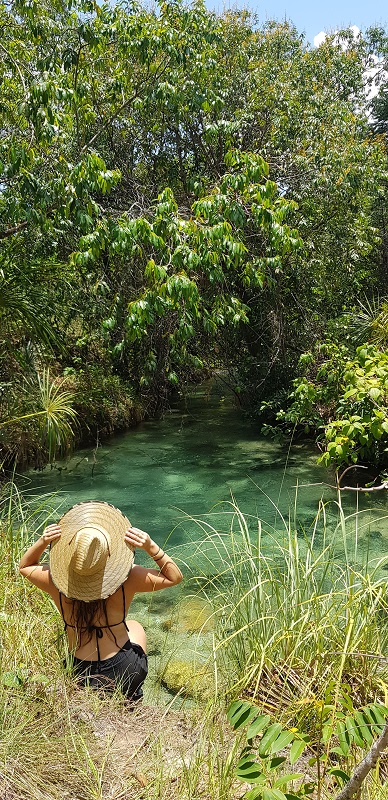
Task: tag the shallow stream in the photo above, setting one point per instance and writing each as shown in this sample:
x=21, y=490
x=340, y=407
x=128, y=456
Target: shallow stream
x=180, y=477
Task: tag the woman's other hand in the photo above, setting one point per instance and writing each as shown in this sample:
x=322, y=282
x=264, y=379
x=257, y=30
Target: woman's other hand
x=51, y=534
x=139, y=539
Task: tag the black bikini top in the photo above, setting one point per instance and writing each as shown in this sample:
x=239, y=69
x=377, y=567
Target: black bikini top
x=98, y=629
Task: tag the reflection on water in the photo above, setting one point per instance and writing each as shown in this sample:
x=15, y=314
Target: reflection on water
x=197, y=460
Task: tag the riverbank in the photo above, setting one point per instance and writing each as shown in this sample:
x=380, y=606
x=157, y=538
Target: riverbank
x=101, y=405
x=296, y=625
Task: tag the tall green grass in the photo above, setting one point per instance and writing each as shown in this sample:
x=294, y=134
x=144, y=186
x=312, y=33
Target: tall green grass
x=296, y=610
x=299, y=615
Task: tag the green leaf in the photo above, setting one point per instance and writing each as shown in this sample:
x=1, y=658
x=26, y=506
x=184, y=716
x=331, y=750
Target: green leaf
x=296, y=750
x=273, y=794
x=364, y=728
x=269, y=737
x=344, y=739
x=257, y=725
x=11, y=679
x=282, y=741
x=240, y=712
x=339, y=773
x=248, y=770
x=354, y=732
x=276, y=761
x=39, y=678
x=291, y=796
x=376, y=718
x=290, y=776
x=254, y=794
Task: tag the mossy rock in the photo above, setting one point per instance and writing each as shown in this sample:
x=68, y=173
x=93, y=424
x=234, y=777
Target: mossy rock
x=195, y=615
x=155, y=642
x=189, y=678
x=167, y=624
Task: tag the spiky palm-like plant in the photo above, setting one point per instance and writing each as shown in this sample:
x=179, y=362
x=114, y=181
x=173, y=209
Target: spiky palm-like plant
x=54, y=413
x=370, y=323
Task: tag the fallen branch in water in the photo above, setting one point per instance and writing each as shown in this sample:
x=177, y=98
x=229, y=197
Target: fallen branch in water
x=383, y=485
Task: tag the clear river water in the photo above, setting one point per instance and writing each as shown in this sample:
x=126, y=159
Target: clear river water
x=179, y=477
x=192, y=463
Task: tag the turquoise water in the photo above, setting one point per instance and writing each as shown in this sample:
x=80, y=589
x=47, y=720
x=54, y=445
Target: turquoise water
x=179, y=478
x=194, y=463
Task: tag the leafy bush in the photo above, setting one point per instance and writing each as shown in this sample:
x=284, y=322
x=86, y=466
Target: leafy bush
x=104, y=402
x=361, y=430
x=272, y=746
x=345, y=399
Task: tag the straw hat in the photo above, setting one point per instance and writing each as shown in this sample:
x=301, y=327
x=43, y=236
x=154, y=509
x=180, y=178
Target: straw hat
x=91, y=559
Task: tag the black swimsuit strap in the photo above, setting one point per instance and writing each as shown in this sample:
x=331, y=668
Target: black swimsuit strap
x=124, y=617
x=98, y=628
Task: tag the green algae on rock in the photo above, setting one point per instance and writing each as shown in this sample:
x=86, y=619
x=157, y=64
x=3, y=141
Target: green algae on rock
x=195, y=616
x=188, y=678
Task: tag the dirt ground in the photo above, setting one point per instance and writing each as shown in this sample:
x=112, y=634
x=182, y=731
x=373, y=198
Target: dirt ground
x=139, y=745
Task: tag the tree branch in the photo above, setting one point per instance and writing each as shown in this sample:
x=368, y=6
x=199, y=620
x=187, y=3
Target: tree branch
x=118, y=111
x=383, y=485
x=366, y=765
x=15, y=229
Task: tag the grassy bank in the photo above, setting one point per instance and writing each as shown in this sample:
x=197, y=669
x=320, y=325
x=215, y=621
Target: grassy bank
x=297, y=625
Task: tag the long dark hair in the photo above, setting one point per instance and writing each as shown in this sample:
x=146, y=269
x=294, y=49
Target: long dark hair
x=84, y=615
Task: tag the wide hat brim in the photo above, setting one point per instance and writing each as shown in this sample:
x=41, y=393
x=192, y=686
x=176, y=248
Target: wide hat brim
x=118, y=565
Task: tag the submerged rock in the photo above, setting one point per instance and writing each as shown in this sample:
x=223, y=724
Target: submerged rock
x=187, y=677
x=195, y=615
x=155, y=642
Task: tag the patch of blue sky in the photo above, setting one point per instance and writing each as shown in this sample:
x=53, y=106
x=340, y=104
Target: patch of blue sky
x=313, y=18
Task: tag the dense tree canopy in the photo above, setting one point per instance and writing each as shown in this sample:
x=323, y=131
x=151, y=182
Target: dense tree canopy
x=179, y=191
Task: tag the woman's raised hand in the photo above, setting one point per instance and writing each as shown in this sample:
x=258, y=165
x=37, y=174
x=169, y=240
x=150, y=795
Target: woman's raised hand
x=51, y=533
x=137, y=538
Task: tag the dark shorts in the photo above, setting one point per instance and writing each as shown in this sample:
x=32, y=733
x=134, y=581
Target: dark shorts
x=126, y=670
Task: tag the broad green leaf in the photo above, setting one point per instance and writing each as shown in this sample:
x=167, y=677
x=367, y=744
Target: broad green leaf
x=254, y=794
x=11, y=679
x=296, y=750
x=282, y=741
x=354, y=732
x=339, y=773
x=291, y=796
x=257, y=725
x=240, y=712
x=39, y=678
x=249, y=770
x=343, y=737
x=273, y=794
x=290, y=776
x=364, y=728
x=269, y=737
x=275, y=762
